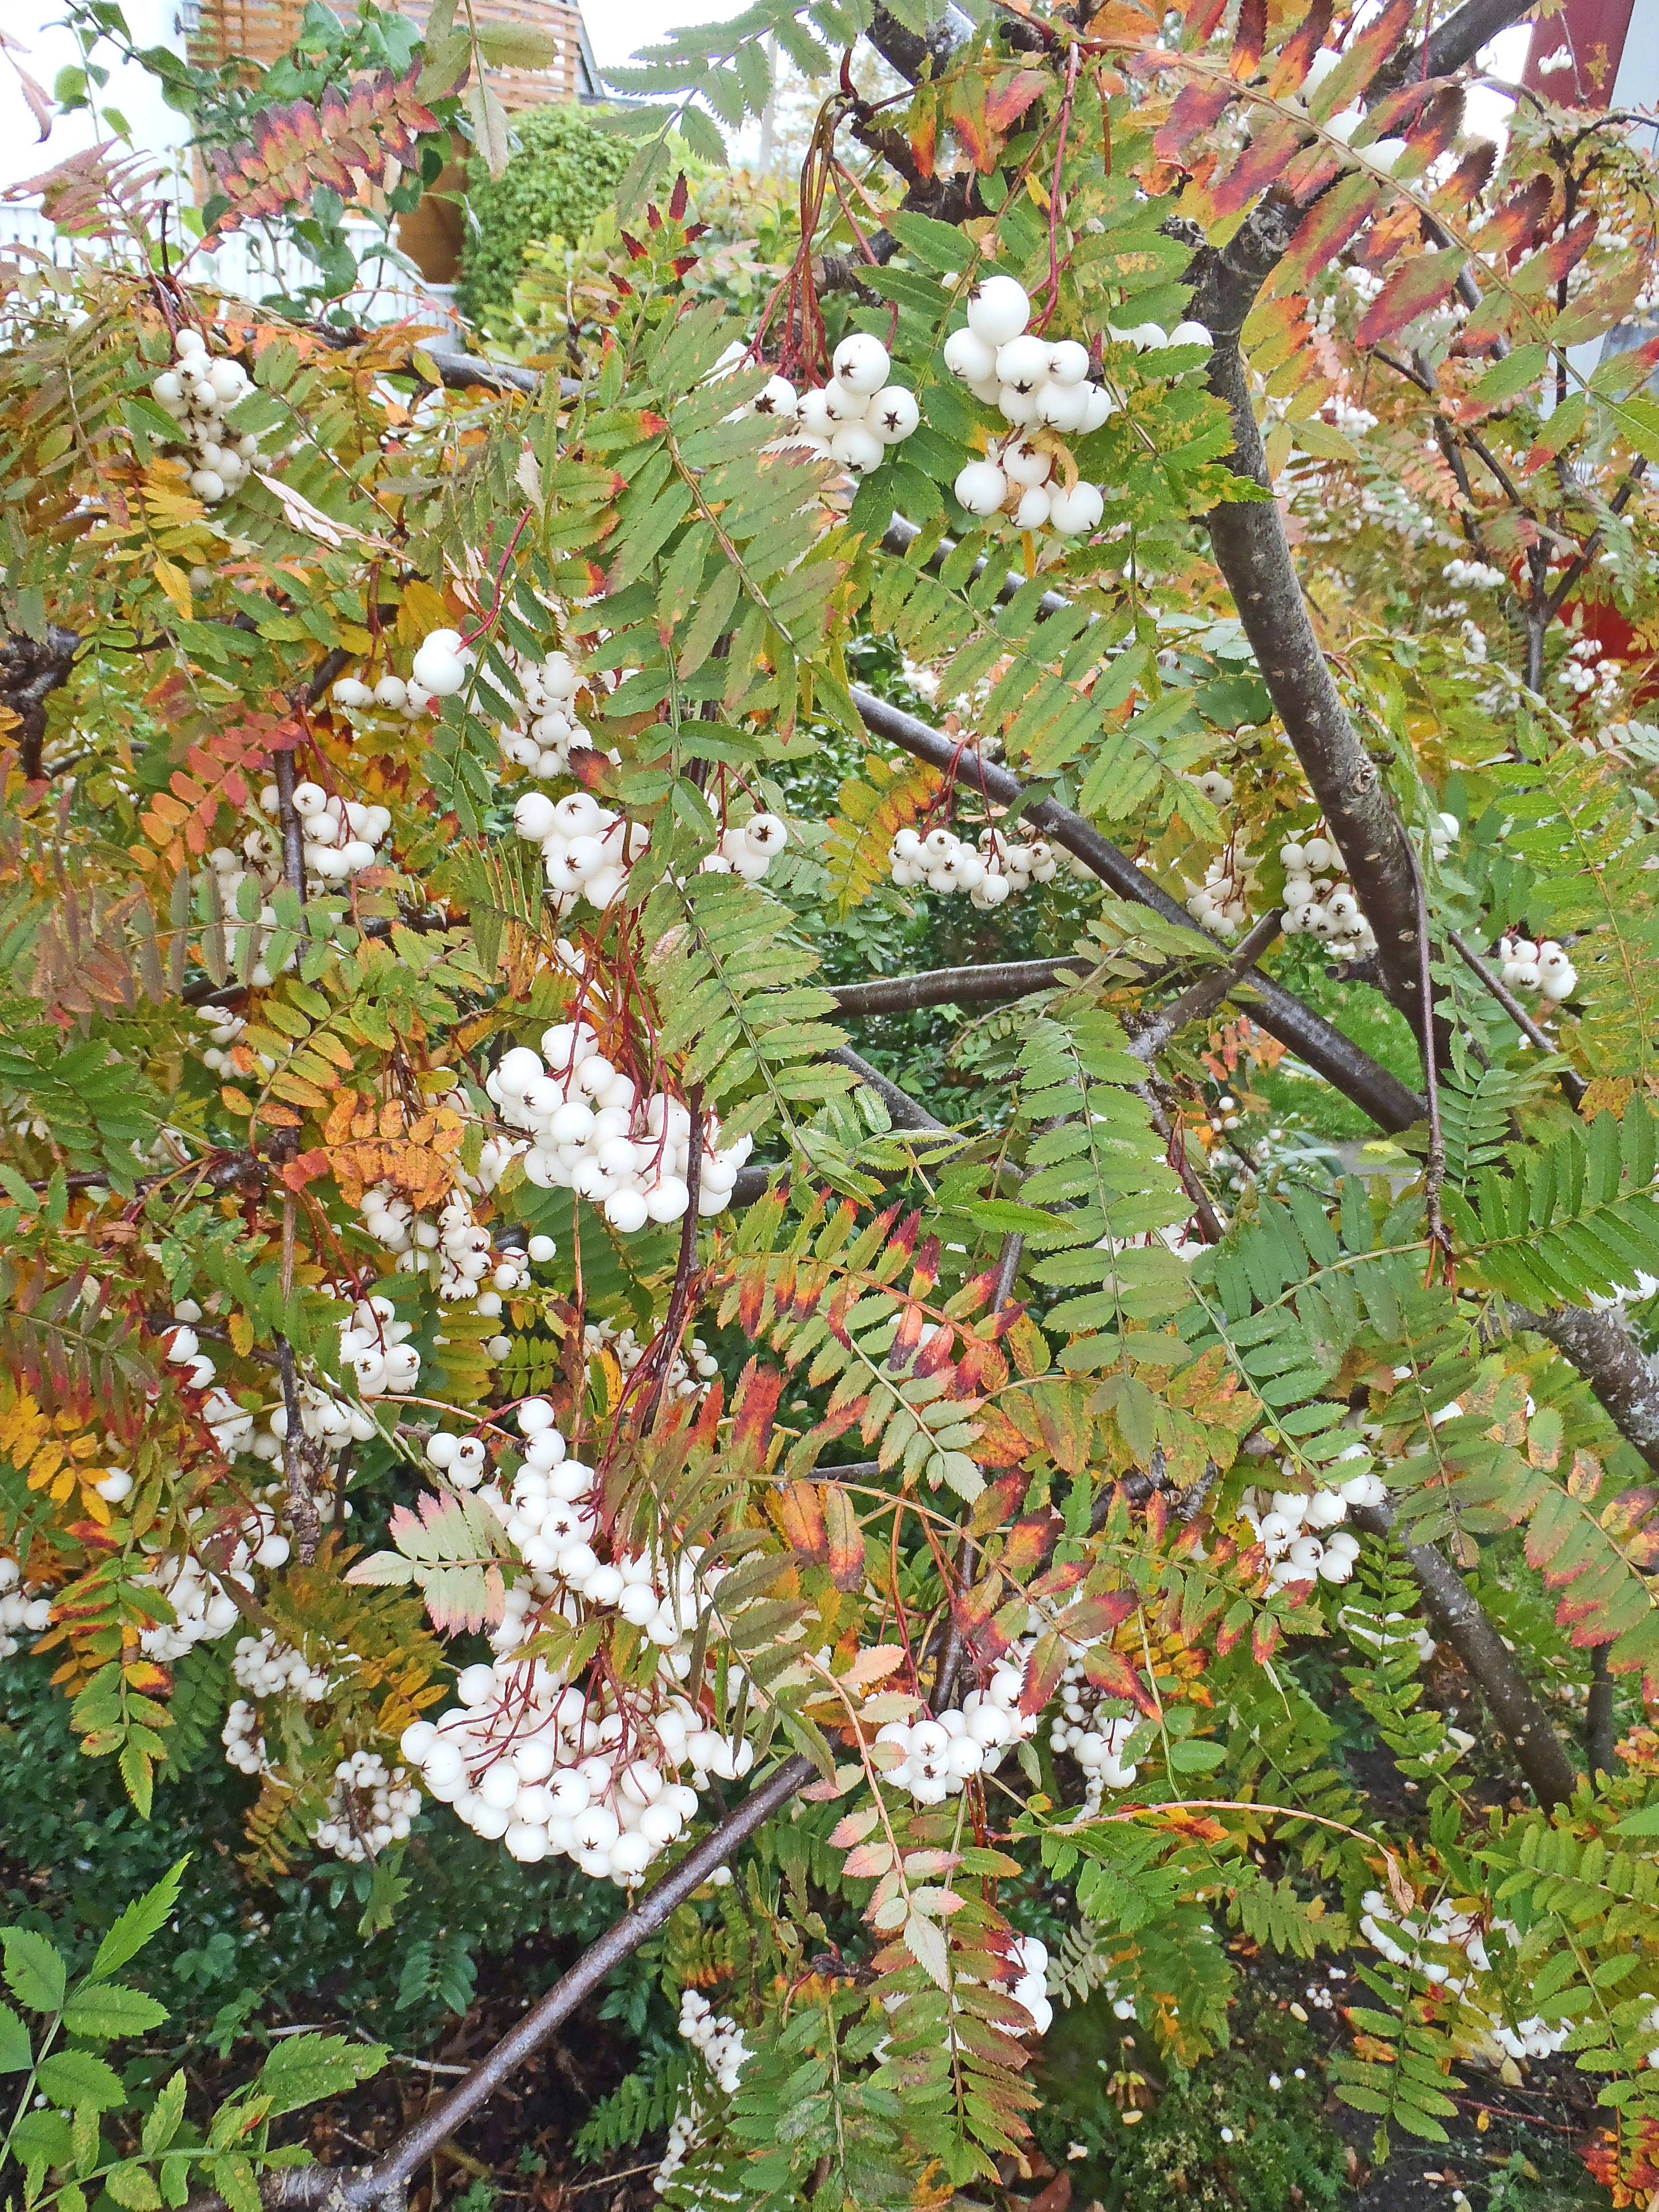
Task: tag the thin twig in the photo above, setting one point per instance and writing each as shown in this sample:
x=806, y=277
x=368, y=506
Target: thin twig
x=302, y=1505
x=1572, y=1082
x=1434, y=1167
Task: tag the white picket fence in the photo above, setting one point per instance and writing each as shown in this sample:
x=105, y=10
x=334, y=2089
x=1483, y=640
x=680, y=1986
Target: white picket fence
x=247, y=264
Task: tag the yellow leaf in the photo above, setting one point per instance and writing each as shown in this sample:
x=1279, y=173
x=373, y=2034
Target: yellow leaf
x=241, y=1334
x=174, y=582
x=47, y=1461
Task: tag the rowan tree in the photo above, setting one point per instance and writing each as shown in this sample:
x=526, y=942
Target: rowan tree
x=474, y=1318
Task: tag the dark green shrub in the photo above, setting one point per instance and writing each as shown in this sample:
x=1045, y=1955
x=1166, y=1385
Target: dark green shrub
x=558, y=183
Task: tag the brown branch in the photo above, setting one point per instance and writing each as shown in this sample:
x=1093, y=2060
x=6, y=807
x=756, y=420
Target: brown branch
x=1253, y=555
x=350, y=2189
x=1624, y=1377
x=297, y=1461
x=907, y=1112
x=31, y=670
x=1467, y=1626
x=1209, y=990
x=989, y=986
x=1313, y=1039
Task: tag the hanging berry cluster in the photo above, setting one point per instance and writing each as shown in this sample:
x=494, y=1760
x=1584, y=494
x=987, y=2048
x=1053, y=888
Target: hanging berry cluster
x=197, y=391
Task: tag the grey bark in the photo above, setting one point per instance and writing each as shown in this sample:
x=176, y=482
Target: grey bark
x=1624, y=1377
x=1254, y=555
x=1313, y=1039
x=1466, y=1625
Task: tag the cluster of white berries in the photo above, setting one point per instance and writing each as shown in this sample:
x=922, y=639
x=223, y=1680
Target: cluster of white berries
x=1221, y=903
x=244, y=1739
x=392, y=695
x=1016, y=476
x=550, y=687
x=24, y=1611
x=1586, y=667
x=195, y=391
x=1318, y=903
x=855, y=417
x=234, y=1429
x=1042, y=388
x=267, y=1668
x=370, y=1807
x=720, y=2040
x=1472, y=576
x=324, y=1420
x=1444, y=830
x=223, y=1028
x=1290, y=1530
x=748, y=848
x=342, y=837
x=548, y=1767
x=456, y=1247
x=1096, y=1744
x=1398, y=1938
x=586, y=849
x=204, y=1609
x=1001, y=867
x=374, y=1345
x=463, y=1461
x=689, y=1376
x=938, y=1757
x=1215, y=787
x=1029, y=1960
x=1544, y=968
x=592, y=1133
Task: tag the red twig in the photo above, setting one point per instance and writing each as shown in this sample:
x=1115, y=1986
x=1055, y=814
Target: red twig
x=1054, y=189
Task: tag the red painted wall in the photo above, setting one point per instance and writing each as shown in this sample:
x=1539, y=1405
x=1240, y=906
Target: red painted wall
x=1595, y=31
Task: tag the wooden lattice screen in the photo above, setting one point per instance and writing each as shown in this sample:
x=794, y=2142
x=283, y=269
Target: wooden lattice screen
x=263, y=30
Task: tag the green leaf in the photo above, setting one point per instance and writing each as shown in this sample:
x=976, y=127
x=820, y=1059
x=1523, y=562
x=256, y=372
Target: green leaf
x=16, y=2051
x=75, y=2078
x=303, y=2068
x=161, y=2120
x=518, y=46
x=103, y=2011
x=1196, y=1755
x=924, y=1940
x=145, y=1917
x=35, y=1971
x=133, y=2185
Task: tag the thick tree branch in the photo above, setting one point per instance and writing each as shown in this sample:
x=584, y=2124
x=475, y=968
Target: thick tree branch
x=31, y=670
x=1467, y=1626
x=1624, y=1379
x=990, y=986
x=1324, y=1048
x=349, y=2188
x=1456, y=41
x=1253, y=555
x=907, y=1113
